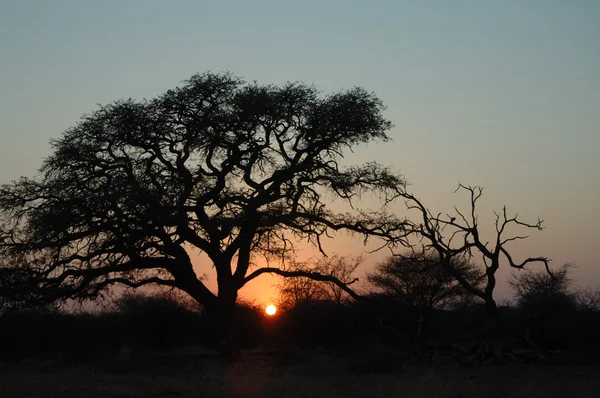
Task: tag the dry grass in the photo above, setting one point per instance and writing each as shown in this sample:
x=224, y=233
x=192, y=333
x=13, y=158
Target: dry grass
x=296, y=374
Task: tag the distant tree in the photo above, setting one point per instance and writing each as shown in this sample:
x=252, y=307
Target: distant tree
x=418, y=280
x=299, y=290
x=303, y=289
x=542, y=292
x=536, y=290
x=458, y=236
x=341, y=268
x=234, y=170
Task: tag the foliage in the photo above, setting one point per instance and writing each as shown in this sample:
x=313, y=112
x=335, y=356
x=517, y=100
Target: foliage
x=17, y=285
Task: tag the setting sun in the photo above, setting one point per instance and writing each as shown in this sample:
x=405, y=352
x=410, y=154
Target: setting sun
x=271, y=309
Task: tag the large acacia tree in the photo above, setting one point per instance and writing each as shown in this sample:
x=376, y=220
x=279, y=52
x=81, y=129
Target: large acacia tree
x=234, y=170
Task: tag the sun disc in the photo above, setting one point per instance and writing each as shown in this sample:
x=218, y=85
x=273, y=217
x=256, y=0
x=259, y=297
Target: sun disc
x=271, y=309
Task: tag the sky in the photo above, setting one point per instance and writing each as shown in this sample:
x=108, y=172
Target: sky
x=505, y=95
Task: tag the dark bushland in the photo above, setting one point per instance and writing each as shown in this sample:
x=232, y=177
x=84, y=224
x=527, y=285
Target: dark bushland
x=379, y=324
x=135, y=321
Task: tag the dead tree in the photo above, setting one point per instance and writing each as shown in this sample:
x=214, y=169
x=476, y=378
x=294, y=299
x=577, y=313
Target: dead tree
x=457, y=236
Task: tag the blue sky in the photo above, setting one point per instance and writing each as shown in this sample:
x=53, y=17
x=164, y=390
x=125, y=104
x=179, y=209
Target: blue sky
x=500, y=94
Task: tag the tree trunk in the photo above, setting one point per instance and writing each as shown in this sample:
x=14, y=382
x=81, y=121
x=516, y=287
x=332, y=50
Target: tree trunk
x=491, y=308
x=225, y=322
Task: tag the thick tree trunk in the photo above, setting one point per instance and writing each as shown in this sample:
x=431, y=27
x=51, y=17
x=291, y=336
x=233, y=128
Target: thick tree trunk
x=220, y=310
x=224, y=321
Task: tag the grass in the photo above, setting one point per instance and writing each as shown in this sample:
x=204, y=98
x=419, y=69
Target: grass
x=198, y=373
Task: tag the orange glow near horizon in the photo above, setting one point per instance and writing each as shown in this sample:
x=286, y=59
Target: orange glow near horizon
x=271, y=310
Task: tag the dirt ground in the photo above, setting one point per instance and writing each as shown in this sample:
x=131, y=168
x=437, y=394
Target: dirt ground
x=197, y=373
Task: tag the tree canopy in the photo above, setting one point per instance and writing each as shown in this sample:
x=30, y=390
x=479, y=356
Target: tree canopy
x=232, y=169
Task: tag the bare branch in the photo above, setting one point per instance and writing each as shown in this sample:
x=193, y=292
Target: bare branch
x=306, y=274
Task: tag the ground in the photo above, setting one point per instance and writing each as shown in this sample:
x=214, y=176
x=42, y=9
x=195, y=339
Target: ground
x=198, y=373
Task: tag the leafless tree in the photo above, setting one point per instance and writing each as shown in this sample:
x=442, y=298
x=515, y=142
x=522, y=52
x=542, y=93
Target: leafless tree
x=298, y=290
x=341, y=268
x=458, y=236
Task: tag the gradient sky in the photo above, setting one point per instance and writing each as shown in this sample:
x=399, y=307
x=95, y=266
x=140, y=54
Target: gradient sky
x=500, y=94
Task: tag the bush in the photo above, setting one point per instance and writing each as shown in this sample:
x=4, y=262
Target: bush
x=161, y=321
x=544, y=294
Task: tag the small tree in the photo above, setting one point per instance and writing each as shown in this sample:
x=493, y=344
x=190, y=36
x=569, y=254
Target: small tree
x=538, y=291
x=233, y=170
x=419, y=280
x=341, y=268
x=299, y=290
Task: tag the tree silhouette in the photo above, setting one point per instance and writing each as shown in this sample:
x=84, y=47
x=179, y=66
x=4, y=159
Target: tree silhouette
x=457, y=236
x=538, y=291
x=234, y=170
x=418, y=280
